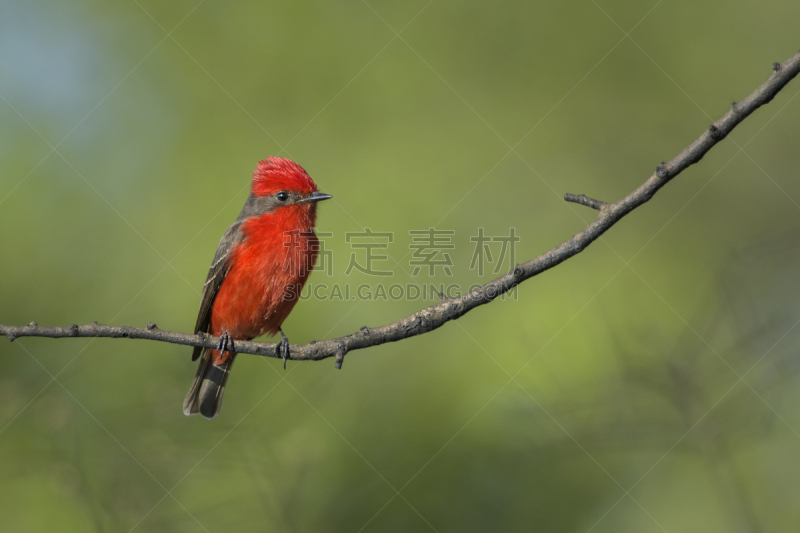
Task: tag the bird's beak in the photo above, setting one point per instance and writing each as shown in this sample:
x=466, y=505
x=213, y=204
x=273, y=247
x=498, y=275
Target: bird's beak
x=315, y=197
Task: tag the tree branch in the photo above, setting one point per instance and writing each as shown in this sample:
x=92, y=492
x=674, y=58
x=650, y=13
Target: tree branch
x=585, y=200
x=437, y=315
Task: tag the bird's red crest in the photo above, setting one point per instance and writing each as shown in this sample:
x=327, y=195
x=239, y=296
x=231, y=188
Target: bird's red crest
x=280, y=174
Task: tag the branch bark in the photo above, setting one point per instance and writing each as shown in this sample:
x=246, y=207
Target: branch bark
x=437, y=315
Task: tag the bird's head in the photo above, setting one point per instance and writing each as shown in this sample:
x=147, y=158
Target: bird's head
x=281, y=183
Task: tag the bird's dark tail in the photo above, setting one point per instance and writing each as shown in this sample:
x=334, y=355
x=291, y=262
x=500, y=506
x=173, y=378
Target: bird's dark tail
x=205, y=396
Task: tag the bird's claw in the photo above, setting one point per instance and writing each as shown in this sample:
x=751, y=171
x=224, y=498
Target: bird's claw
x=283, y=348
x=225, y=343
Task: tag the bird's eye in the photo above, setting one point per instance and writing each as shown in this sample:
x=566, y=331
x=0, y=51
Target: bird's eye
x=282, y=196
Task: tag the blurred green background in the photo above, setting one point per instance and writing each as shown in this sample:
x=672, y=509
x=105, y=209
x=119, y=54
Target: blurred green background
x=649, y=384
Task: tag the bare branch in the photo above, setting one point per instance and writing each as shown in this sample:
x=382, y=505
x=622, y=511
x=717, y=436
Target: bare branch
x=585, y=200
x=437, y=315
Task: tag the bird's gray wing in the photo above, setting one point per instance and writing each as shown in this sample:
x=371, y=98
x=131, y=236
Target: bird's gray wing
x=216, y=275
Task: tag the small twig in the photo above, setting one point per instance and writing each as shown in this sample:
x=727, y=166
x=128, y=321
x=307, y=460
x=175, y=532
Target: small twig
x=448, y=309
x=585, y=200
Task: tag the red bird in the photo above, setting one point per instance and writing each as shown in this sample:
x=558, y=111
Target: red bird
x=262, y=262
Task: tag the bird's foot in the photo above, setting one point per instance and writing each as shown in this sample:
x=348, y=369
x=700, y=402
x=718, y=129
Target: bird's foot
x=283, y=347
x=225, y=343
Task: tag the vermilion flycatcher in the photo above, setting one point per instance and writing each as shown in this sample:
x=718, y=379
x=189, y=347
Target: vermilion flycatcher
x=259, y=269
